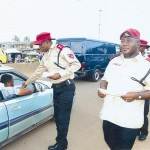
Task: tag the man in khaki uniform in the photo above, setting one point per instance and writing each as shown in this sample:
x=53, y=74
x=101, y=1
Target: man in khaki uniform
x=61, y=64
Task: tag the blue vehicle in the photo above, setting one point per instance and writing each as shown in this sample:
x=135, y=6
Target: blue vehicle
x=93, y=55
x=21, y=114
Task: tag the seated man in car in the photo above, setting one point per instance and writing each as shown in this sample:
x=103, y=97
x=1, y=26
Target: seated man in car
x=9, y=91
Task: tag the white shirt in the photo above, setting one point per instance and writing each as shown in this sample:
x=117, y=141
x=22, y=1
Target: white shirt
x=10, y=92
x=118, y=75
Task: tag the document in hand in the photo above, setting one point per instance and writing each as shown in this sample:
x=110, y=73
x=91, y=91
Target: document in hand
x=112, y=93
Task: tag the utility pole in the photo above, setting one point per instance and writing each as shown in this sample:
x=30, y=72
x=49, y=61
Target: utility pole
x=99, y=25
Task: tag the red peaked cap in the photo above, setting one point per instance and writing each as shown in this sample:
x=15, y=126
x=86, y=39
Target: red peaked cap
x=130, y=33
x=42, y=37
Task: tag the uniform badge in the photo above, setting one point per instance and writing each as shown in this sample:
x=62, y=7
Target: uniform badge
x=127, y=34
x=60, y=47
x=116, y=64
x=71, y=56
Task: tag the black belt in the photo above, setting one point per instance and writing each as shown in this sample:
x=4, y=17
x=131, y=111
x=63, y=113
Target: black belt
x=62, y=84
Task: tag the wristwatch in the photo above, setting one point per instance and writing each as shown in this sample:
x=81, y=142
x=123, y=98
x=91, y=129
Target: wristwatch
x=140, y=96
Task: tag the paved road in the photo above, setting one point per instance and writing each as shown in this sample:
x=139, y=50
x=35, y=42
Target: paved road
x=85, y=128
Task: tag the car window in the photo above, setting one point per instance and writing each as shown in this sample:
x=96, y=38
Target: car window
x=77, y=46
x=66, y=43
x=17, y=81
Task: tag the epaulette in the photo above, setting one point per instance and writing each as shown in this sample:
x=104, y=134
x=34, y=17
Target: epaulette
x=60, y=47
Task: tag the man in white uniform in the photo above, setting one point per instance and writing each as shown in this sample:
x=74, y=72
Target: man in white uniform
x=123, y=108
x=143, y=133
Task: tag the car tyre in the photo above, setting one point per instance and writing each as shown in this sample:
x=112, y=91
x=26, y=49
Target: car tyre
x=96, y=75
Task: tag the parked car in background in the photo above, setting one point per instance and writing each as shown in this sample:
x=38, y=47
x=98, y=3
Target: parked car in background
x=3, y=57
x=93, y=55
x=23, y=113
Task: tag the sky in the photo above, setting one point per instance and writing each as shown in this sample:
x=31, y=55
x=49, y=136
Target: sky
x=73, y=18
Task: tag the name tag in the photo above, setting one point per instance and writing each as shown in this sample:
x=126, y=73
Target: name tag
x=116, y=64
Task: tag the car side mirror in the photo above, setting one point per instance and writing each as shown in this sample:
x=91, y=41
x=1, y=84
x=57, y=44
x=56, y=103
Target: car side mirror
x=39, y=87
x=42, y=88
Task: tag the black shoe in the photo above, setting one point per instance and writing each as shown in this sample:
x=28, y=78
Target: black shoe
x=142, y=137
x=52, y=147
x=57, y=147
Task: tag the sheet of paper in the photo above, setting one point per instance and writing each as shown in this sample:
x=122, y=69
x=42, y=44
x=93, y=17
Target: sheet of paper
x=111, y=92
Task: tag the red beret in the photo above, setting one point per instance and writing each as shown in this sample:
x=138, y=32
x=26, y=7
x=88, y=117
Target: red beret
x=42, y=37
x=143, y=43
x=130, y=33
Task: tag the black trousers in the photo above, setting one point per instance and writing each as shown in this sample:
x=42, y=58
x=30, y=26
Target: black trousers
x=144, y=129
x=119, y=138
x=63, y=99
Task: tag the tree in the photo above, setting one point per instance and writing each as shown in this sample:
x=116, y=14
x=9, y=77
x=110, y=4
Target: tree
x=16, y=39
x=27, y=39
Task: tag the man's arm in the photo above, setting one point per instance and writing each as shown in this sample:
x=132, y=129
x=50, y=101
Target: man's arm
x=131, y=96
x=103, y=85
x=25, y=91
x=37, y=74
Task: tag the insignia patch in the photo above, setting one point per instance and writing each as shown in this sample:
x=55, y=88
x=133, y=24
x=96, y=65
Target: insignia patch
x=71, y=56
x=127, y=34
x=59, y=46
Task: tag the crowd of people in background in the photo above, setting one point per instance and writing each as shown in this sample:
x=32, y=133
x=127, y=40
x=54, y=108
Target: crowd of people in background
x=20, y=58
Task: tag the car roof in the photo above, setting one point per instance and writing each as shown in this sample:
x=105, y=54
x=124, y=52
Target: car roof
x=5, y=68
x=84, y=39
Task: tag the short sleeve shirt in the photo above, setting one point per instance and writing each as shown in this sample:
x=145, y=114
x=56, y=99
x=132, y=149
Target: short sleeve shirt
x=67, y=60
x=118, y=75
x=10, y=92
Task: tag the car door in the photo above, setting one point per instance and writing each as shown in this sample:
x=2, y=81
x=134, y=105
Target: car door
x=20, y=114
x=26, y=111
x=44, y=102
x=3, y=123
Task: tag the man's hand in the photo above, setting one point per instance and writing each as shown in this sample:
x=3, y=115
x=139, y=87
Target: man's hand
x=100, y=94
x=55, y=76
x=25, y=91
x=129, y=97
x=24, y=85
